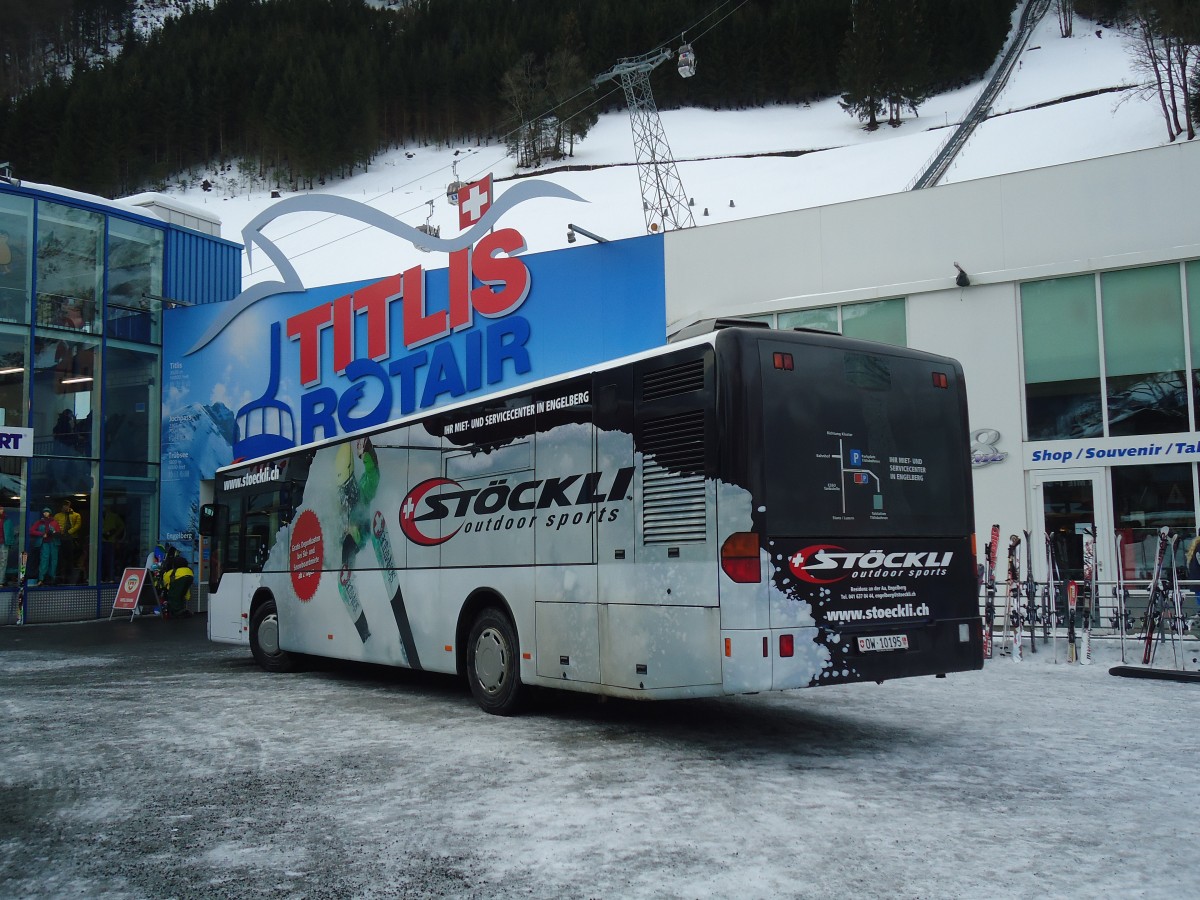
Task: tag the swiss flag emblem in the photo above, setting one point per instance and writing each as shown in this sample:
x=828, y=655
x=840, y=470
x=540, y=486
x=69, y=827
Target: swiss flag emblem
x=473, y=201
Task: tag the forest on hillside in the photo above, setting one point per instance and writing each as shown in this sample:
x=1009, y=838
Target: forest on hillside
x=300, y=90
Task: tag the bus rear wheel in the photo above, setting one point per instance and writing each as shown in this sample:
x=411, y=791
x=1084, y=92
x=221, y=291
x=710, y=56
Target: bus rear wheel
x=492, y=664
x=264, y=640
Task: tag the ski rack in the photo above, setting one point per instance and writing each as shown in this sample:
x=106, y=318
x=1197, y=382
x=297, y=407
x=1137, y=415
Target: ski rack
x=1119, y=617
x=1106, y=617
x=1119, y=612
x=1166, y=600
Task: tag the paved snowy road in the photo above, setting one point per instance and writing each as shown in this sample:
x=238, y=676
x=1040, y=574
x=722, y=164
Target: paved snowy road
x=141, y=761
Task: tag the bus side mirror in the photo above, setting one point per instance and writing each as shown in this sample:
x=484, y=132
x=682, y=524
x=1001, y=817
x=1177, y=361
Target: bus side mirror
x=208, y=519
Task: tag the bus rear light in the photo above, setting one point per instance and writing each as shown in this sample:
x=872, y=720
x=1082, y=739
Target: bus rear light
x=783, y=361
x=940, y=380
x=787, y=645
x=729, y=647
x=739, y=557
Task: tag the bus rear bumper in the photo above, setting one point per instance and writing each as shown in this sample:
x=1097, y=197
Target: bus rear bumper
x=896, y=651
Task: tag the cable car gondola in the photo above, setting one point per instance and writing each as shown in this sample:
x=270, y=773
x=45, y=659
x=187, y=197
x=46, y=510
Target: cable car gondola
x=454, y=186
x=686, y=61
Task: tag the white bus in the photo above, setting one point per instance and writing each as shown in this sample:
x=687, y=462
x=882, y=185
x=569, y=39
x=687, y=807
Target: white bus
x=741, y=511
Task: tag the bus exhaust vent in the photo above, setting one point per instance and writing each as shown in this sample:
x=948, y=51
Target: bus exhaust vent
x=673, y=489
x=674, y=380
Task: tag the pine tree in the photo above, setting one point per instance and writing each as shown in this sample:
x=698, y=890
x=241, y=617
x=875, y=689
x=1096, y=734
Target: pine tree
x=860, y=70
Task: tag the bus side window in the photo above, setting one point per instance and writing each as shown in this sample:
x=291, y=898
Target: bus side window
x=233, y=545
x=267, y=514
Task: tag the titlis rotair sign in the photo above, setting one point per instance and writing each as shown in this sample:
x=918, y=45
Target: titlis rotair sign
x=16, y=441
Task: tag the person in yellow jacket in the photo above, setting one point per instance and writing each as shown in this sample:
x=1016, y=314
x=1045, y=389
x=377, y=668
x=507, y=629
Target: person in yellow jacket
x=70, y=523
x=177, y=582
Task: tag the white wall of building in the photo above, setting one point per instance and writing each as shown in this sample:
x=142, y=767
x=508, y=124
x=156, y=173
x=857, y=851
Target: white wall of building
x=1115, y=212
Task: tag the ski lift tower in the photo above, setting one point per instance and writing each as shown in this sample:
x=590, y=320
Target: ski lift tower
x=663, y=200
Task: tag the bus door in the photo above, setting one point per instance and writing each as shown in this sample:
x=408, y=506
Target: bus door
x=223, y=526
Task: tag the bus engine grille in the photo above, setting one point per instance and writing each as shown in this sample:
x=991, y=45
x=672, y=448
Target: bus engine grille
x=673, y=486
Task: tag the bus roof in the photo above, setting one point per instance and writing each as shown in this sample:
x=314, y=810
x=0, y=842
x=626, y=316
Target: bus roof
x=718, y=329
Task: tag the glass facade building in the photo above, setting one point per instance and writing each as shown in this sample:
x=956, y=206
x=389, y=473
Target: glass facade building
x=83, y=282
x=1107, y=355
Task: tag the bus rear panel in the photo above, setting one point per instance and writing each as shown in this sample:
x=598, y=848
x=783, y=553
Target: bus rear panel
x=866, y=507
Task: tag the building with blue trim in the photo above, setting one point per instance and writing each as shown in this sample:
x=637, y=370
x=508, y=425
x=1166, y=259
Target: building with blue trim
x=83, y=284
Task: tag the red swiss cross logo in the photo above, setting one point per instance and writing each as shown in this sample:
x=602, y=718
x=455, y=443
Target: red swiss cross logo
x=473, y=201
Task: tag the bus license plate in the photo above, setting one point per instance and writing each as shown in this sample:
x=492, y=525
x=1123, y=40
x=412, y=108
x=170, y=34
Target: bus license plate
x=883, y=642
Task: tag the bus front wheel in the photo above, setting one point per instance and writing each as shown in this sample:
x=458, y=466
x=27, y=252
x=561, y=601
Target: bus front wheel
x=492, y=663
x=264, y=640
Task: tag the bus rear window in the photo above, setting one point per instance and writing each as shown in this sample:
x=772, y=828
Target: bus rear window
x=862, y=443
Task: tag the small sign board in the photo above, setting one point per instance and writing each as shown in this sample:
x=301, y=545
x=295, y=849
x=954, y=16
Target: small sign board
x=129, y=592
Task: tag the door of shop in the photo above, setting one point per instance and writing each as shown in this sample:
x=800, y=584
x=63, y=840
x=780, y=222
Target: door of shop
x=1068, y=506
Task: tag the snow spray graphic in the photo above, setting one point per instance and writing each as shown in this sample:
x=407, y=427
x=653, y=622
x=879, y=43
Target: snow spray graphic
x=283, y=365
x=874, y=582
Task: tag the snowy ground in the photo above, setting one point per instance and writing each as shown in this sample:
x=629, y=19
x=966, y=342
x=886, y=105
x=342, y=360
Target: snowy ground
x=720, y=162
x=142, y=761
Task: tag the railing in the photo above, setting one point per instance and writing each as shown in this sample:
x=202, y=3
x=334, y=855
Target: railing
x=1106, y=611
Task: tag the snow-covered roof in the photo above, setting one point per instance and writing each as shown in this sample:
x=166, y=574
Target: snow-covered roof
x=175, y=211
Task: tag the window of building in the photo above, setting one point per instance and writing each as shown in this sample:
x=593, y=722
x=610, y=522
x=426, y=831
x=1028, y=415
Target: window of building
x=823, y=318
x=14, y=386
x=70, y=255
x=1192, y=280
x=1060, y=343
x=16, y=264
x=1144, y=350
x=128, y=523
x=135, y=280
x=14, y=374
x=1145, y=498
x=65, y=395
x=131, y=413
x=880, y=320
x=877, y=320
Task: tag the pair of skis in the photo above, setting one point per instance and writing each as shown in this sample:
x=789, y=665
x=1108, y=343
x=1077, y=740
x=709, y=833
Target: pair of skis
x=21, y=600
x=1031, y=591
x=1011, y=640
x=1121, y=595
x=989, y=604
x=381, y=543
x=1157, y=602
x=1012, y=601
x=1079, y=633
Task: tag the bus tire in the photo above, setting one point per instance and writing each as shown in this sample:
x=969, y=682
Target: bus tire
x=493, y=666
x=264, y=639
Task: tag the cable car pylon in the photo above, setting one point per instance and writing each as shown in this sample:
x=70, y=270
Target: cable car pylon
x=664, y=201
